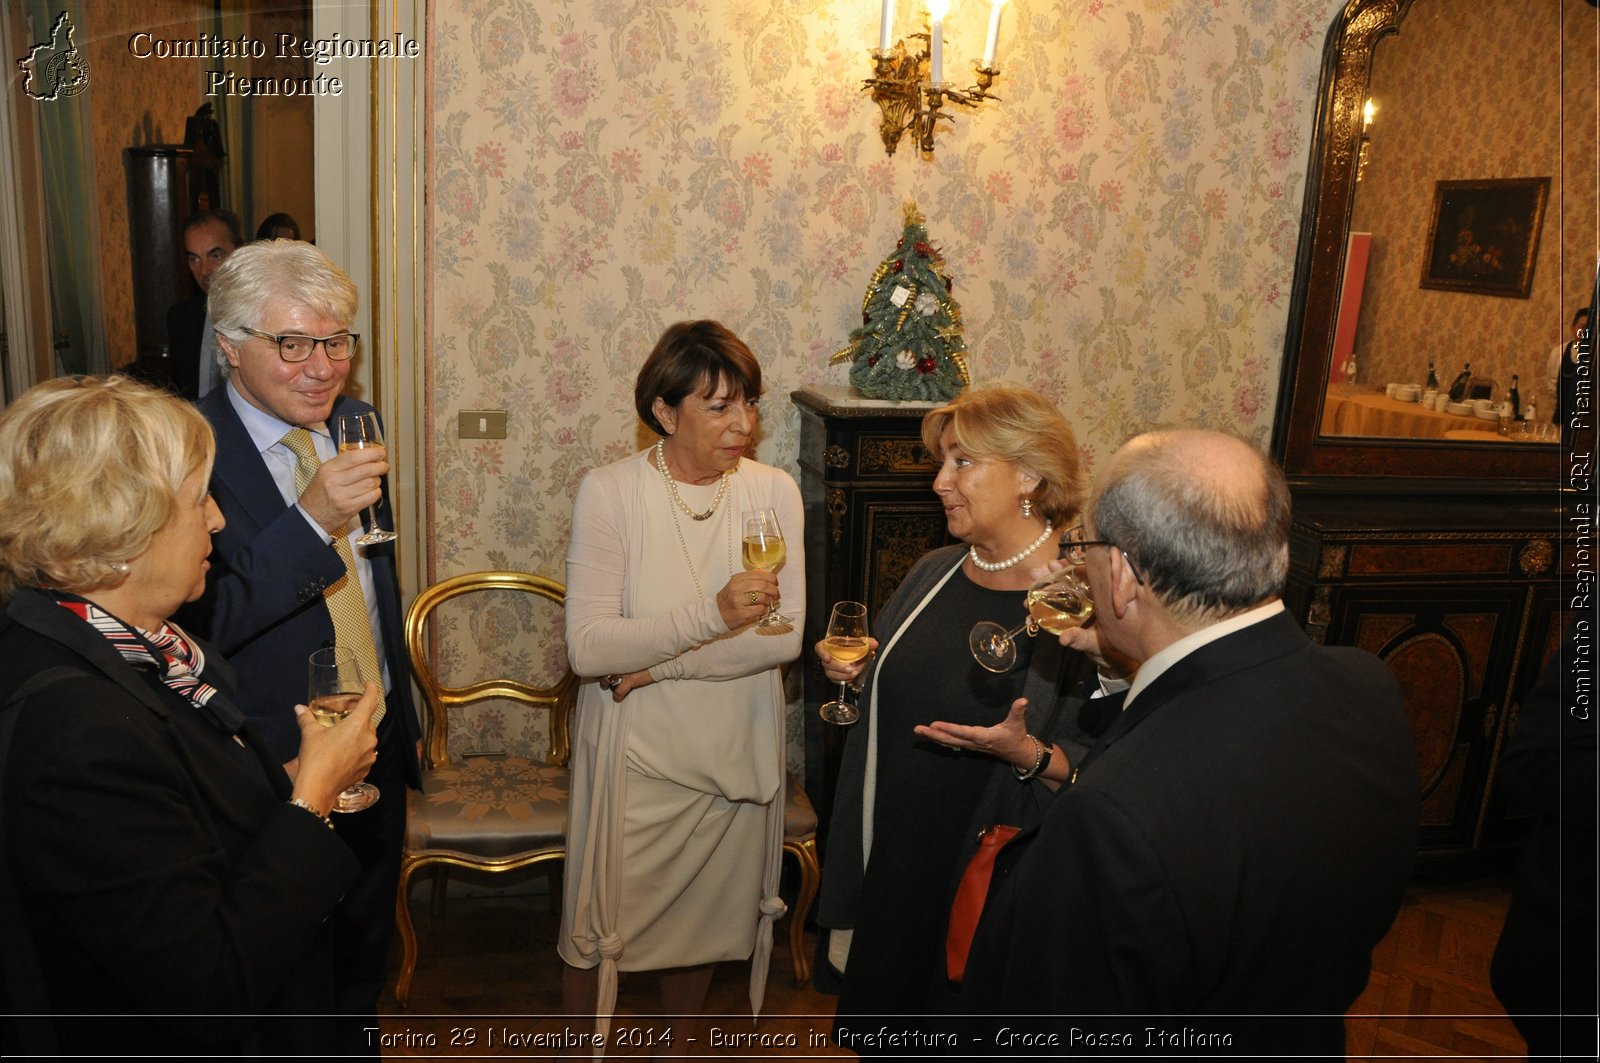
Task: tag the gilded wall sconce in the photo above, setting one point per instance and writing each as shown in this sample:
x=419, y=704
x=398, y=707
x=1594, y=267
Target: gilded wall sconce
x=910, y=89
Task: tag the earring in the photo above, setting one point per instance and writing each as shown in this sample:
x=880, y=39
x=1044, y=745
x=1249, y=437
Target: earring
x=1027, y=508
x=122, y=567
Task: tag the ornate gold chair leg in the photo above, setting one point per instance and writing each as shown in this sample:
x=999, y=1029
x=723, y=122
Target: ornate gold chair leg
x=408, y=936
x=440, y=877
x=805, y=854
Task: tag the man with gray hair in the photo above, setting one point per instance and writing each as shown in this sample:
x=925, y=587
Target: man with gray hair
x=1241, y=835
x=289, y=574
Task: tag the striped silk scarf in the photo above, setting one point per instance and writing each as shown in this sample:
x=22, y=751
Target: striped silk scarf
x=177, y=660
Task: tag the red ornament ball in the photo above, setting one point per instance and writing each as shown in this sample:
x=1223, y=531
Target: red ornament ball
x=922, y=249
x=926, y=365
x=873, y=360
x=899, y=264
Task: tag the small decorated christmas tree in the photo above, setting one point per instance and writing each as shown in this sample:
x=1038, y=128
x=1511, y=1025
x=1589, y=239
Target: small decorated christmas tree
x=909, y=345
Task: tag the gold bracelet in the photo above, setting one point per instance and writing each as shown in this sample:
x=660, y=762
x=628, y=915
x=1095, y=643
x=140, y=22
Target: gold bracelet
x=1038, y=761
x=300, y=802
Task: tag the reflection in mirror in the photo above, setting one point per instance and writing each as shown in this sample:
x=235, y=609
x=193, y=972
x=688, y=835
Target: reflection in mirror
x=1452, y=265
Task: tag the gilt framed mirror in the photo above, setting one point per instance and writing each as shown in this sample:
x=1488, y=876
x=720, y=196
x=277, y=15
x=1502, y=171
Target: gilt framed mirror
x=1424, y=105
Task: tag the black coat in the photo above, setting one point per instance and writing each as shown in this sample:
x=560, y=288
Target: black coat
x=1235, y=844
x=157, y=861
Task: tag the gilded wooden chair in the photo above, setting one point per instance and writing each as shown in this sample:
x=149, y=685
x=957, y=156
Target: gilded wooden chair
x=490, y=813
x=800, y=842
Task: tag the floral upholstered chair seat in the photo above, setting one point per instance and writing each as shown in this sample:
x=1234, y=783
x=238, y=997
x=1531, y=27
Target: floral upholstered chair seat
x=488, y=807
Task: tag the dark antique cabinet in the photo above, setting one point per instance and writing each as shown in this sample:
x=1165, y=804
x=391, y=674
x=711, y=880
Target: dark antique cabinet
x=1459, y=560
x=866, y=480
x=1462, y=601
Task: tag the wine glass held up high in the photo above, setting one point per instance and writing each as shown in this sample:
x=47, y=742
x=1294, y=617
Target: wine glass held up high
x=335, y=686
x=1055, y=602
x=357, y=431
x=764, y=549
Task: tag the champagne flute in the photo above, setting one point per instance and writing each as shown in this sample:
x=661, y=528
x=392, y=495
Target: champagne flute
x=356, y=431
x=1055, y=602
x=845, y=642
x=336, y=687
x=764, y=549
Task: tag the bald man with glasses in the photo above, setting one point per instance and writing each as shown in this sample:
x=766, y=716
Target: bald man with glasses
x=1225, y=857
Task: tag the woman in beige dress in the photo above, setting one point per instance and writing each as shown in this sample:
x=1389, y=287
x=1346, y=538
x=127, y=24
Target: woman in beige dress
x=676, y=823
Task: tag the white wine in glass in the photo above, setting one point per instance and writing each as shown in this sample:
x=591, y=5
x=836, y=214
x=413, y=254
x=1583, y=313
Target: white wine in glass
x=356, y=431
x=764, y=549
x=847, y=643
x=1056, y=603
x=335, y=689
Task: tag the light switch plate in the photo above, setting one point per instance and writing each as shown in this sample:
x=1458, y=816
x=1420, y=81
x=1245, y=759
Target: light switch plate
x=481, y=424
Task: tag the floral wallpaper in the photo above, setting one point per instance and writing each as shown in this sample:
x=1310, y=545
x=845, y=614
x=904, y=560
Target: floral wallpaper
x=1446, y=114
x=1120, y=225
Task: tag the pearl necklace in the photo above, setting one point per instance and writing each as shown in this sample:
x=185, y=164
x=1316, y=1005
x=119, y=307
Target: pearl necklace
x=672, y=486
x=996, y=566
x=683, y=543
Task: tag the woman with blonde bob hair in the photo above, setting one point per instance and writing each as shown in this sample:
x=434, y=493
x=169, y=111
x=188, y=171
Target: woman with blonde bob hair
x=160, y=860
x=91, y=473
x=910, y=805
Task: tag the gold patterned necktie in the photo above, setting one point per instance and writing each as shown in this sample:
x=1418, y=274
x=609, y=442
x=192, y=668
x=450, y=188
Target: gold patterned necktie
x=352, y=627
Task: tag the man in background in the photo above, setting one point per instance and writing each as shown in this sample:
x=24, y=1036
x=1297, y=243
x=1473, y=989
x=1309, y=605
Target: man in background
x=1241, y=835
x=208, y=239
x=1561, y=370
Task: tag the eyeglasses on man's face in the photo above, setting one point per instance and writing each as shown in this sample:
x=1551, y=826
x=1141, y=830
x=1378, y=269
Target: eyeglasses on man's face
x=1075, y=547
x=293, y=347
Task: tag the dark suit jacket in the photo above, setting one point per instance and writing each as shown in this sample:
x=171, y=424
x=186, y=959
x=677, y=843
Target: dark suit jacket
x=1236, y=844
x=263, y=604
x=158, y=863
x=186, y=322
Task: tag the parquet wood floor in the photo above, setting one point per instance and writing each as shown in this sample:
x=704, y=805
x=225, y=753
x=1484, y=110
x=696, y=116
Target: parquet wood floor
x=489, y=973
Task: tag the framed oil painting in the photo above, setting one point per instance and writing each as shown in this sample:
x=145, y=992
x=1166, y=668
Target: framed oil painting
x=1485, y=235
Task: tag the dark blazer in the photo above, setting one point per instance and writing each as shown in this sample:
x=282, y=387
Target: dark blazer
x=186, y=322
x=263, y=604
x=1235, y=844
x=159, y=866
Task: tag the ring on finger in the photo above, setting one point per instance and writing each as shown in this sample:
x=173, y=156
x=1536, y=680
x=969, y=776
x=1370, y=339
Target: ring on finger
x=752, y=597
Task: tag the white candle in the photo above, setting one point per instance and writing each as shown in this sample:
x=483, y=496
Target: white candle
x=994, y=34
x=936, y=11
x=886, y=28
